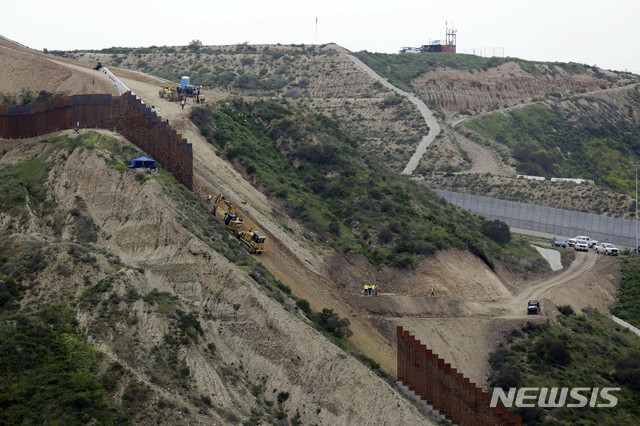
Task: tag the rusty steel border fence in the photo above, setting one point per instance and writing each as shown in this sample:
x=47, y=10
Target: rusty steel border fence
x=446, y=389
x=125, y=114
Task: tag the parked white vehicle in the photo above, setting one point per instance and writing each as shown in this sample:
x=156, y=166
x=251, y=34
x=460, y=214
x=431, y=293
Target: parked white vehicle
x=581, y=245
x=607, y=249
x=572, y=241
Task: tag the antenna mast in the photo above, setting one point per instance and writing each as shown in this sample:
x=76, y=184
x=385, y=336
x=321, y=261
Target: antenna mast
x=450, y=39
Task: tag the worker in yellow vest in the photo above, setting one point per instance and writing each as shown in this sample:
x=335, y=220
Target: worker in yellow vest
x=366, y=289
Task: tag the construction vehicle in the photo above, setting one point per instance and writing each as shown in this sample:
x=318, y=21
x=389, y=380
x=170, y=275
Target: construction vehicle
x=119, y=85
x=178, y=92
x=253, y=241
x=216, y=202
x=192, y=92
x=169, y=92
x=232, y=221
x=533, y=307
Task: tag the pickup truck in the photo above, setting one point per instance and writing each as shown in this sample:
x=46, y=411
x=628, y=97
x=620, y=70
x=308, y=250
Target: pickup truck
x=607, y=249
x=572, y=241
x=590, y=243
x=581, y=245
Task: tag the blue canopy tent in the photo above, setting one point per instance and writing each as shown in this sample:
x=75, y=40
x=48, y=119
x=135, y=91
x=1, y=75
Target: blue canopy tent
x=143, y=162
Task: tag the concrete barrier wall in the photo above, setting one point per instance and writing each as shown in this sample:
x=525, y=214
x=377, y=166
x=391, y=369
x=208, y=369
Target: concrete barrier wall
x=446, y=389
x=124, y=114
x=547, y=219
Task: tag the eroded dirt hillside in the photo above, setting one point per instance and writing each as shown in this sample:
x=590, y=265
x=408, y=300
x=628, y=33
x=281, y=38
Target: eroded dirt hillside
x=224, y=349
x=25, y=69
x=506, y=85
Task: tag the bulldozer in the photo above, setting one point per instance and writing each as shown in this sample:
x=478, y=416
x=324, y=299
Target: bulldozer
x=252, y=240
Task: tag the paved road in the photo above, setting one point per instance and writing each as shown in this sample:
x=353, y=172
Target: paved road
x=625, y=324
x=434, y=128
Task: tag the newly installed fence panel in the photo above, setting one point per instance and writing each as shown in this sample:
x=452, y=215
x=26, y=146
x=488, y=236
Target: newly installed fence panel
x=547, y=219
x=446, y=389
x=125, y=114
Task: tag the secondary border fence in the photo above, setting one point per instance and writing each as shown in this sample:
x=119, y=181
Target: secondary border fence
x=444, y=388
x=125, y=114
x=546, y=219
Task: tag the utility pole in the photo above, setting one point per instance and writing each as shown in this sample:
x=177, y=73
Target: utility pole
x=636, y=164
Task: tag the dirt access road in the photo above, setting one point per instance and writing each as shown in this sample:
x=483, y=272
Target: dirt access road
x=474, y=308
x=434, y=127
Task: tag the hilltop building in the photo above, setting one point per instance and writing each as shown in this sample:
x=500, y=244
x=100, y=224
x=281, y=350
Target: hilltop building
x=436, y=46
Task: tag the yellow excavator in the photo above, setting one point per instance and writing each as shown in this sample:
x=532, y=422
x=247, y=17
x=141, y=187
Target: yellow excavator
x=216, y=202
x=232, y=221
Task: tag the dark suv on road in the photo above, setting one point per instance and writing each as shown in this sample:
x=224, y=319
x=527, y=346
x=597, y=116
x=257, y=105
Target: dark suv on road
x=558, y=242
x=533, y=307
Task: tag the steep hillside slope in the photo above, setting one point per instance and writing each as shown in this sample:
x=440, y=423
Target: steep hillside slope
x=118, y=247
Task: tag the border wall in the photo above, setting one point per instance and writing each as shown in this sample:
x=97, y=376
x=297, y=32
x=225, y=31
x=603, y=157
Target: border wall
x=125, y=114
x=549, y=220
x=446, y=389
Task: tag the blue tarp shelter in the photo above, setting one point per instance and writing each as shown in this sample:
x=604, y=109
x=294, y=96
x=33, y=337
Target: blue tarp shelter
x=143, y=162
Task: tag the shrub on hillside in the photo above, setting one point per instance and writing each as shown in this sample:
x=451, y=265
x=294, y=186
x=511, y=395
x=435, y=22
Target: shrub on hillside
x=553, y=351
x=628, y=370
x=332, y=322
x=566, y=310
x=497, y=230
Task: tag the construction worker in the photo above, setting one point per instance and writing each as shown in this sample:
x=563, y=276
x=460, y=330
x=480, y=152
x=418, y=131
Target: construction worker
x=366, y=289
x=209, y=199
x=375, y=289
x=182, y=102
x=433, y=291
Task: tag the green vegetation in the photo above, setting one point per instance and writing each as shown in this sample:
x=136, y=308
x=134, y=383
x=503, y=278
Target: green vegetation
x=26, y=96
x=628, y=307
x=579, y=351
x=346, y=198
x=553, y=141
x=47, y=372
x=401, y=69
x=23, y=185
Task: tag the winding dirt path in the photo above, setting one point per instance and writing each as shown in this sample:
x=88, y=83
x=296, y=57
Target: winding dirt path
x=581, y=269
x=434, y=127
